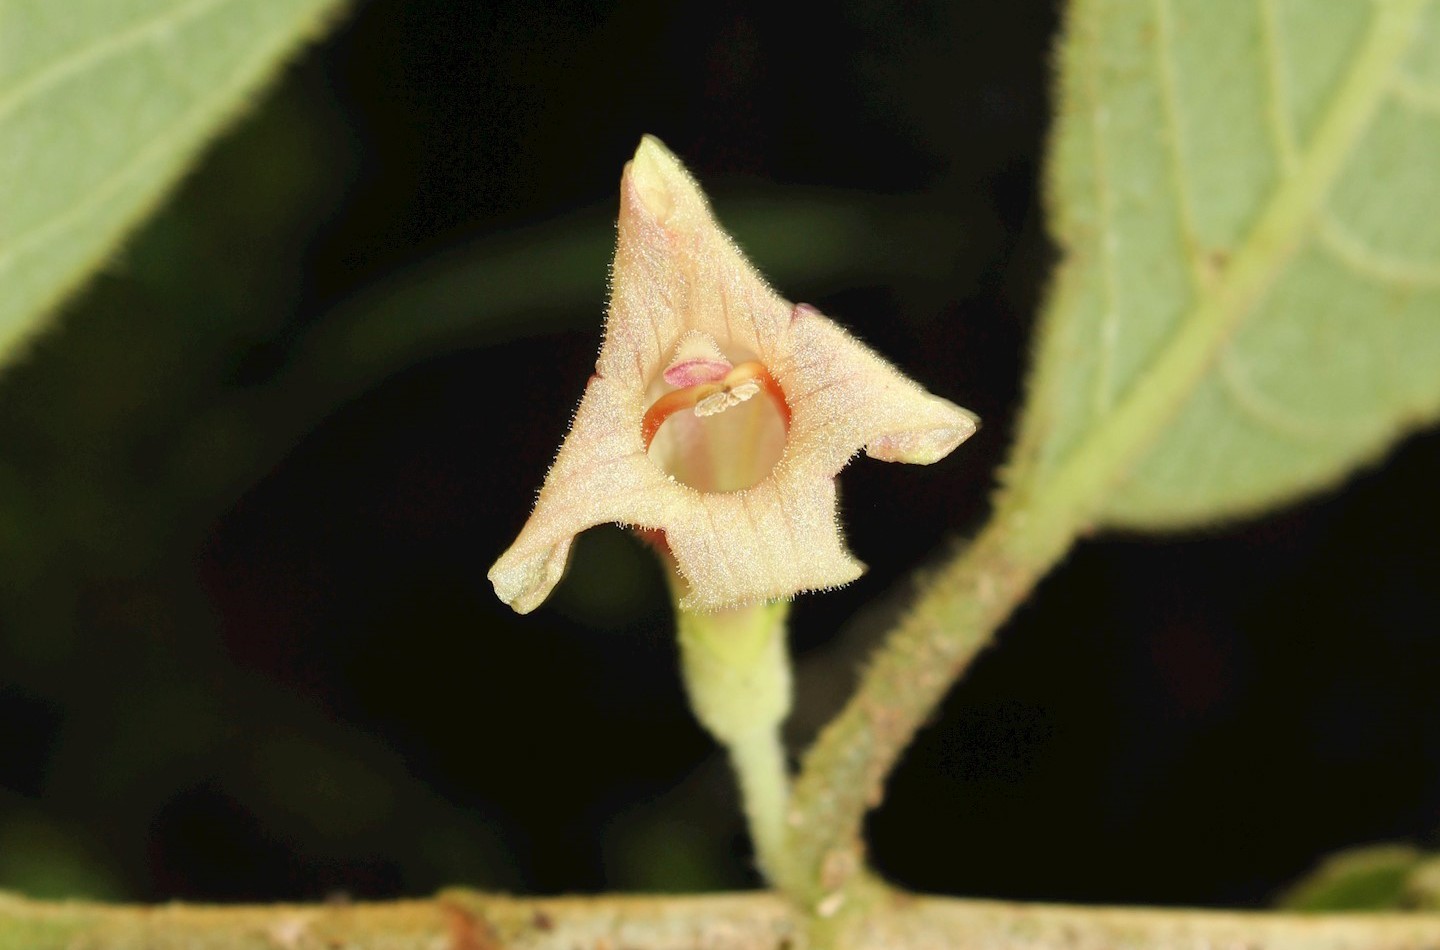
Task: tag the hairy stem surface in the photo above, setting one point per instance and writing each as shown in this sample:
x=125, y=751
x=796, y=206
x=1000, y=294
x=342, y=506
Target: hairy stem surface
x=467, y=920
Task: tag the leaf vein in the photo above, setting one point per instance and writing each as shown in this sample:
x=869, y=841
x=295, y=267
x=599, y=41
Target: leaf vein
x=1264, y=410
x=1175, y=140
x=1277, y=85
x=98, y=51
x=1351, y=251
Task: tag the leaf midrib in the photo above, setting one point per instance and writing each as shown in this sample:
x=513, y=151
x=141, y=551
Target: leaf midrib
x=1069, y=495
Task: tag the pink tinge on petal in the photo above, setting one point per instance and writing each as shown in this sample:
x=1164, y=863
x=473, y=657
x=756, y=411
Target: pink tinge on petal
x=692, y=372
x=927, y=445
x=918, y=448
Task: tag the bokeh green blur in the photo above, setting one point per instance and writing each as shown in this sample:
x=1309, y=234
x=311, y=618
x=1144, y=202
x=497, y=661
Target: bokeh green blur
x=251, y=483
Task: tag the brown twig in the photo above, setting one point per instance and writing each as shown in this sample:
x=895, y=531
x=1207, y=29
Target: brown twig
x=754, y=921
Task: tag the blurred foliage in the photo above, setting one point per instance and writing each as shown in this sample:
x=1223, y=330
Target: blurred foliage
x=103, y=104
x=48, y=860
x=1375, y=877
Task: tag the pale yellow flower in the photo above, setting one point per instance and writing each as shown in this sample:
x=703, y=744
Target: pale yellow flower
x=718, y=416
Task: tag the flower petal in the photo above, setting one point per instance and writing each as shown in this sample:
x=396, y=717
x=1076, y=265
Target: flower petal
x=601, y=475
x=768, y=542
x=677, y=271
x=697, y=359
x=843, y=396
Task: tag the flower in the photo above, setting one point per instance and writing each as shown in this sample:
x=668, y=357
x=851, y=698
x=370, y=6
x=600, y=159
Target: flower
x=718, y=416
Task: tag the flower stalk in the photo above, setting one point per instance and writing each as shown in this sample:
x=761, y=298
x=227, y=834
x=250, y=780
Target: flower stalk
x=736, y=669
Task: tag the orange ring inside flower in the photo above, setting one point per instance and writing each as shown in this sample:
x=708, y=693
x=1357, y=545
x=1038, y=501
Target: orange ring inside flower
x=687, y=398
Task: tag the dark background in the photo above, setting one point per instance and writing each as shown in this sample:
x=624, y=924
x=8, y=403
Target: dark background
x=249, y=491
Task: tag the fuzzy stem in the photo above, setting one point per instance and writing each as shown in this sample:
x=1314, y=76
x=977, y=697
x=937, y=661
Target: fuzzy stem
x=737, y=674
x=759, y=763
x=844, y=772
x=758, y=921
x=1044, y=511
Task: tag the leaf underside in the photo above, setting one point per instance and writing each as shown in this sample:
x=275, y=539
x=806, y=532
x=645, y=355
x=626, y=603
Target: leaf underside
x=1266, y=172
x=103, y=105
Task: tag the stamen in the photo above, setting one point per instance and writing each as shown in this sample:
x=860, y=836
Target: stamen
x=725, y=398
x=709, y=398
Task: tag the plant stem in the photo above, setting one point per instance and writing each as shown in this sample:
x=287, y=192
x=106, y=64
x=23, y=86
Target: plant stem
x=759, y=763
x=956, y=617
x=754, y=921
x=1045, y=511
x=737, y=675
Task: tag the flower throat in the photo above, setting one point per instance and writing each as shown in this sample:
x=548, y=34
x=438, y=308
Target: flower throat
x=711, y=432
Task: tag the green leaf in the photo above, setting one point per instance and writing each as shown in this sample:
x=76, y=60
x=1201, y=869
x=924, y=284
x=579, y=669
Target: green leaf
x=103, y=105
x=1247, y=193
